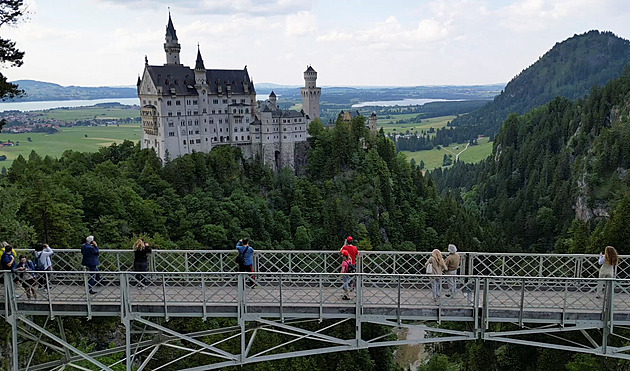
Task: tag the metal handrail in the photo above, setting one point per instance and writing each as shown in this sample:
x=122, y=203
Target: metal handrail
x=327, y=261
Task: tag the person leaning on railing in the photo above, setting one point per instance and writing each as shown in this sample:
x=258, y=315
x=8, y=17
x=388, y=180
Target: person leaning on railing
x=452, y=262
x=90, y=253
x=608, y=261
x=436, y=266
x=141, y=249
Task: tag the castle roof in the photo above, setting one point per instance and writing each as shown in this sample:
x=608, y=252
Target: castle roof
x=170, y=29
x=182, y=80
x=272, y=94
x=199, y=62
x=310, y=69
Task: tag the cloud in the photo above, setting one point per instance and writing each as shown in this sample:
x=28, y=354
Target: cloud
x=391, y=34
x=221, y=7
x=301, y=23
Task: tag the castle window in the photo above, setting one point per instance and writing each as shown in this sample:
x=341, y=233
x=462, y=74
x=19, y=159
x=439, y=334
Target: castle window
x=247, y=120
x=170, y=114
x=284, y=129
x=220, y=130
x=242, y=137
x=243, y=100
x=205, y=130
x=196, y=131
x=195, y=112
x=233, y=100
x=204, y=110
x=190, y=132
x=248, y=137
x=215, y=101
x=183, y=123
x=285, y=137
x=168, y=102
x=234, y=110
x=246, y=110
x=212, y=121
x=220, y=121
x=225, y=101
x=198, y=141
x=189, y=122
x=171, y=134
x=178, y=103
x=184, y=141
x=213, y=112
x=179, y=113
x=194, y=102
x=144, y=102
x=188, y=113
x=170, y=124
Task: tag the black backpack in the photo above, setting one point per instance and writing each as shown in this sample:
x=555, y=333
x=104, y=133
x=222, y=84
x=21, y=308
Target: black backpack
x=352, y=268
x=240, y=259
x=37, y=261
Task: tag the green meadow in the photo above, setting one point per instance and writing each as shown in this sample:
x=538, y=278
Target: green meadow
x=434, y=122
x=433, y=158
x=77, y=138
x=92, y=112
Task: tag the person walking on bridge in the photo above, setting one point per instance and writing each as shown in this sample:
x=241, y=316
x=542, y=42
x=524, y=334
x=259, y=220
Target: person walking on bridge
x=352, y=250
x=453, y=261
x=608, y=261
x=90, y=261
x=246, y=259
x=436, y=266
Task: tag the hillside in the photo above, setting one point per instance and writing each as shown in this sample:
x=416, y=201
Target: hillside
x=557, y=178
x=41, y=91
x=570, y=69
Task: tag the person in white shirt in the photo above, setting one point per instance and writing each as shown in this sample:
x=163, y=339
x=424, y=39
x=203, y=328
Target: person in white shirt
x=43, y=252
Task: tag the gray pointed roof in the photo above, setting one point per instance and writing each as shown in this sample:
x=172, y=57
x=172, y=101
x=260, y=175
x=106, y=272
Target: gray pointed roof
x=199, y=63
x=310, y=69
x=272, y=94
x=170, y=30
x=182, y=79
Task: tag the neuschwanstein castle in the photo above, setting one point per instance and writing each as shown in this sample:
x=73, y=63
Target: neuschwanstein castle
x=185, y=110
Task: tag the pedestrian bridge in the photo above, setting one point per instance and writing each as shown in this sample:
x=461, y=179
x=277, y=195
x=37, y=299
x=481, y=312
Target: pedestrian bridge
x=545, y=300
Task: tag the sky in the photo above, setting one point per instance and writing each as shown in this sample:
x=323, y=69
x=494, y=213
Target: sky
x=348, y=42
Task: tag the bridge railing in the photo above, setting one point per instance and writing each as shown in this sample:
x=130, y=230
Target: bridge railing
x=378, y=262
x=312, y=294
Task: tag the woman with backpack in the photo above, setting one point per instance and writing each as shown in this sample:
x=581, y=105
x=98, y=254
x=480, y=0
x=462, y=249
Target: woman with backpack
x=346, y=269
x=436, y=266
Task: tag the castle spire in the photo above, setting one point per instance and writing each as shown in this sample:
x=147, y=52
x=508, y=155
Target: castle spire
x=171, y=46
x=199, y=63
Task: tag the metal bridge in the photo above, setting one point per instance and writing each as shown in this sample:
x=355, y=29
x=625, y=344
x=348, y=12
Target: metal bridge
x=550, y=301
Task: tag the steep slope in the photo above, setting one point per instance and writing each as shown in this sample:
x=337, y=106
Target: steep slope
x=570, y=69
x=558, y=175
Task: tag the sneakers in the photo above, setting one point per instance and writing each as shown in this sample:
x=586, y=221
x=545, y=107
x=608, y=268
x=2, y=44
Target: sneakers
x=345, y=297
x=92, y=292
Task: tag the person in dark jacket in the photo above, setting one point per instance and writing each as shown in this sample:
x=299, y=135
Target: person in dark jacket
x=24, y=269
x=141, y=249
x=90, y=252
x=8, y=260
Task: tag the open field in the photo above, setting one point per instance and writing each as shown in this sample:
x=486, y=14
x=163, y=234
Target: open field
x=67, y=138
x=93, y=112
x=433, y=158
x=434, y=122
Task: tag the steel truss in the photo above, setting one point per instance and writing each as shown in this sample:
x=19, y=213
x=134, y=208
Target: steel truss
x=146, y=334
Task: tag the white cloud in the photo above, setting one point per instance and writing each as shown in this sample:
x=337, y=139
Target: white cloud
x=301, y=23
x=220, y=7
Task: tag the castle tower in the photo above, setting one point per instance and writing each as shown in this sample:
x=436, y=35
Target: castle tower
x=373, y=123
x=310, y=93
x=200, y=69
x=171, y=46
x=273, y=99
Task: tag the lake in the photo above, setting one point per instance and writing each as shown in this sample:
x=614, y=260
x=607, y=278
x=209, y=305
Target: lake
x=50, y=104
x=403, y=102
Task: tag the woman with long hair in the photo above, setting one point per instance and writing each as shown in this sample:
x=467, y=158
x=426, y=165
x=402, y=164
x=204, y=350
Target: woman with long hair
x=608, y=261
x=438, y=266
x=141, y=261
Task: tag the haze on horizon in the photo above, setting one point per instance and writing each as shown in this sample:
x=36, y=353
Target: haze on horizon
x=350, y=43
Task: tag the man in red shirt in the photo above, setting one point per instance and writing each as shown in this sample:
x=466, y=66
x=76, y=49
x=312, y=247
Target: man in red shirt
x=351, y=249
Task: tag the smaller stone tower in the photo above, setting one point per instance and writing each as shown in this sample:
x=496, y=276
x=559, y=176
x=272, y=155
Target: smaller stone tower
x=273, y=99
x=171, y=46
x=310, y=93
x=373, y=123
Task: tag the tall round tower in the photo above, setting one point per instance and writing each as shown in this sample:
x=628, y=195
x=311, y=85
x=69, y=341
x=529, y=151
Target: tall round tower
x=310, y=93
x=171, y=46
